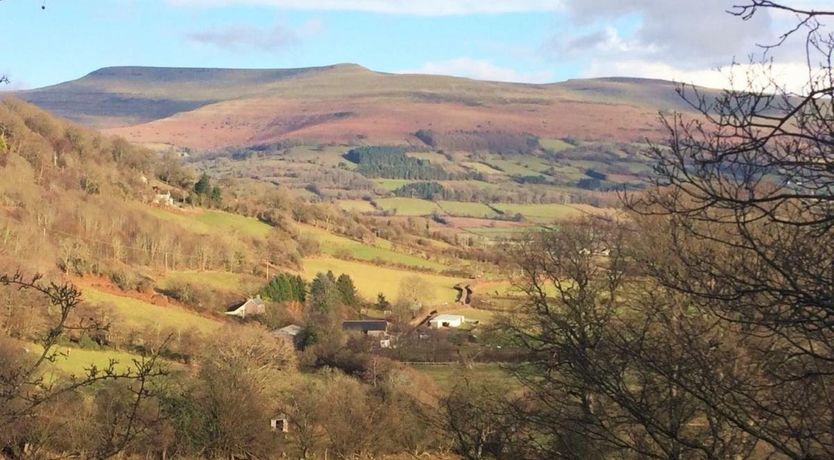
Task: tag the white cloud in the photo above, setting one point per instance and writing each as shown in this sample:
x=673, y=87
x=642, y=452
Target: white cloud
x=234, y=37
x=409, y=7
x=481, y=70
x=793, y=76
x=691, y=34
x=250, y=37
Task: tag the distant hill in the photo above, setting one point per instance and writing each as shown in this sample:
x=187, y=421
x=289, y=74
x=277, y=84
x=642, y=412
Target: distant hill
x=207, y=109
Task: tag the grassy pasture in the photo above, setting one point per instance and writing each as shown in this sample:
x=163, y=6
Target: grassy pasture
x=372, y=279
x=333, y=245
x=519, y=166
x=465, y=209
x=226, y=281
x=214, y=222
x=447, y=376
x=137, y=313
x=75, y=361
x=233, y=223
x=541, y=212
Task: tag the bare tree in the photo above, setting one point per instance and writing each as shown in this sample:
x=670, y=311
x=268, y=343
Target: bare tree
x=743, y=206
x=24, y=383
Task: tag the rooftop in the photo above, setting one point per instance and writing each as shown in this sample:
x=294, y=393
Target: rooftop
x=292, y=329
x=448, y=318
x=365, y=325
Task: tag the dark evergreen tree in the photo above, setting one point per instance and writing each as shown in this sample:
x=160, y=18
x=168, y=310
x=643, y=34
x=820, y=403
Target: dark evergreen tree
x=347, y=290
x=203, y=185
x=284, y=288
x=324, y=293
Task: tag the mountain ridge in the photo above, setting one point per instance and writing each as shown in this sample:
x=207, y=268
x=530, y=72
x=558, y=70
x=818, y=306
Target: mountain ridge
x=213, y=108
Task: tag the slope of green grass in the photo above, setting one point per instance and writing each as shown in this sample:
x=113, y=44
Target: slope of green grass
x=371, y=279
x=233, y=223
x=75, y=361
x=335, y=245
x=213, y=222
x=226, y=281
x=140, y=314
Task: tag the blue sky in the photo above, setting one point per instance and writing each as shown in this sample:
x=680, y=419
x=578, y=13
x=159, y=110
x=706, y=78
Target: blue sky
x=511, y=40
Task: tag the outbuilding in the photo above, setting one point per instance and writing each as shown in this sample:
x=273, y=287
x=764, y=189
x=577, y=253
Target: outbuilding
x=452, y=321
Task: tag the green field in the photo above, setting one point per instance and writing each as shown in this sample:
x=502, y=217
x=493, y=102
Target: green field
x=214, y=222
x=466, y=209
x=335, y=245
x=140, y=314
x=408, y=206
x=371, y=279
x=225, y=281
x=541, y=212
x=233, y=223
x=447, y=376
x=75, y=361
x=520, y=166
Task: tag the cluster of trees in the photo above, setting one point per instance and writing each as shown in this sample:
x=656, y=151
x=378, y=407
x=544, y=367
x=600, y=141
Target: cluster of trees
x=424, y=190
x=206, y=194
x=327, y=292
x=394, y=163
x=505, y=143
x=285, y=288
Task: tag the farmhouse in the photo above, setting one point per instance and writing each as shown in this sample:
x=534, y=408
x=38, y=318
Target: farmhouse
x=252, y=307
x=453, y=321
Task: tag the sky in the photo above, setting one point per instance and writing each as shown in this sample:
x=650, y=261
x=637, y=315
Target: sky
x=532, y=41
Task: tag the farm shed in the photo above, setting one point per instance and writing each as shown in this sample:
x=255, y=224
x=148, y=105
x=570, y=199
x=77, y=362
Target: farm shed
x=441, y=321
x=374, y=327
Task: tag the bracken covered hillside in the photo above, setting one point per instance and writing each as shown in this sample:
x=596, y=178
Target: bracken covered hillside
x=216, y=108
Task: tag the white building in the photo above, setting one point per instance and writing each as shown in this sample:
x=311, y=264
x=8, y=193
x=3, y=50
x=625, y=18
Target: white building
x=253, y=306
x=440, y=321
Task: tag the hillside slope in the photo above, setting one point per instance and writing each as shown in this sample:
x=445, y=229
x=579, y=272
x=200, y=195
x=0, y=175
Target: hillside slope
x=207, y=109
